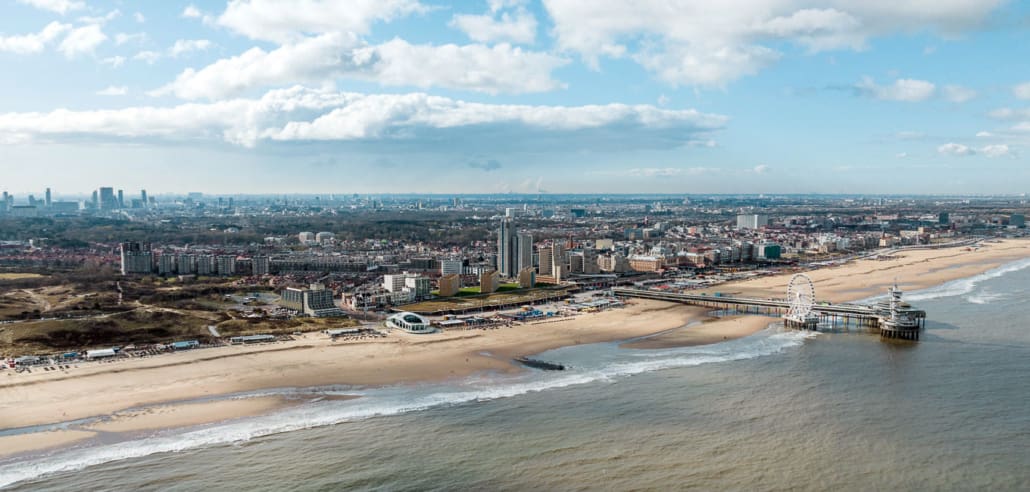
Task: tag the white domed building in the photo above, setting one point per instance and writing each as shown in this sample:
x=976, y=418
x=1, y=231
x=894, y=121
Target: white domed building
x=409, y=322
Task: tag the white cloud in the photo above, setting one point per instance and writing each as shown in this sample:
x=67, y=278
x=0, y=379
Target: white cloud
x=706, y=43
x=901, y=155
x=761, y=169
x=660, y=172
x=907, y=90
x=301, y=114
x=957, y=93
x=82, y=40
x=1022, y=91
x=191, y=12
x=102, y=19
x=1020, y=115
x=1009, y=113
x=113, y=91
x=286, y=20
x=496, y=69
x=652, y=172
x=139, y=17
x=492, y=69
x=498, y=5
x=999, y=150
x=149, y=57
x=705, y=64
x=122, y=38
x=984, y=134
x=114, y=61
x=910, y=135
x=33, y=43
x=184, y=46
x=954, y=149
x=517, y=28
x=59, y=6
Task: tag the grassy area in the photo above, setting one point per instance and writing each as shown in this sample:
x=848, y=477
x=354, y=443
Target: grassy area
x=474, y=290
x=484, y=301
x=138, y=327
x=143, y=327
x=237, y=327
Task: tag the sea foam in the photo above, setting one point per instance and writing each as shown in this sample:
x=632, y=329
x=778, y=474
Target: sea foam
x=394, y=400
x=962, y=286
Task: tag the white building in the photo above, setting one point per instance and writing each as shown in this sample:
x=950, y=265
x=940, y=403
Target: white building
x=409, y=322
x=306, y=237
x=419, y=286
x=325, y=237
x=394, y=282
x=752, y=221
x=448, y=267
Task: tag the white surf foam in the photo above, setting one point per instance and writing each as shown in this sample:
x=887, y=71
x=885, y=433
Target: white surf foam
x=398, y=400
x=962, y=286
x=985, y=296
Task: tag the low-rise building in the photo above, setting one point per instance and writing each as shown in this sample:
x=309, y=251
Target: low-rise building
x=316, y=301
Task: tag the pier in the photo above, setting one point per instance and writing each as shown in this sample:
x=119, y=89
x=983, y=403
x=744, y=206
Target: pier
x=891, y=317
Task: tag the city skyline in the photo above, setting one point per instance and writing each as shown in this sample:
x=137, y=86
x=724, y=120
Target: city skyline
x=552, y=96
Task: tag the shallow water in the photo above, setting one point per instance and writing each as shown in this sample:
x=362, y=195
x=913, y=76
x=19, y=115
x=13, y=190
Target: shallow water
x=775, y=411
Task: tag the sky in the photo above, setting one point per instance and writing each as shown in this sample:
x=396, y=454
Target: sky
x=524, y=96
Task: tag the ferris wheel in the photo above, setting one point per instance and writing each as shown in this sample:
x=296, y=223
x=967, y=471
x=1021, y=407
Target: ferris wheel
x=801, y=296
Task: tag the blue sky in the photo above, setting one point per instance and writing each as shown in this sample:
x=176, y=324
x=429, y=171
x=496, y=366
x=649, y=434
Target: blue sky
x=672, y=96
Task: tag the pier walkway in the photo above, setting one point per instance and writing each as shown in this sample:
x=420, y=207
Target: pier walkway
x=848, y=313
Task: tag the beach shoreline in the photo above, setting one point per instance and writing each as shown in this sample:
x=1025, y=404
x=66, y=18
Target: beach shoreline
x=176, y=381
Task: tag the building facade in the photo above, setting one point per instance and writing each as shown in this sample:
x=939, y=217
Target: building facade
x=136, y=258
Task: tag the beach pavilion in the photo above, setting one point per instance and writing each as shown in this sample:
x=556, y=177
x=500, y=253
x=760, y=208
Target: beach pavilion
x=409, y=322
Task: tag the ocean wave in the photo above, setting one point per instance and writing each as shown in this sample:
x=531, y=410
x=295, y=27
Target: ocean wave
x=985, y=296
x=962, y=286
x=395, y=400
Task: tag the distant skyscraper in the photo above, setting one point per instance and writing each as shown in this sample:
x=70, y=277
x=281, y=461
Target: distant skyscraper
x=524, y=251
x=96, y=200
x=48, y=198
x=107, y=199
x=143, y=196
x=505, y=249
x=121, y=199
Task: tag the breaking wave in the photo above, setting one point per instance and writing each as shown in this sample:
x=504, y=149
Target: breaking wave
x=377, y=402
x=964, y=286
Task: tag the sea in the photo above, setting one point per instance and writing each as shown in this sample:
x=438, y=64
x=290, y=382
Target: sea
x=779, y=410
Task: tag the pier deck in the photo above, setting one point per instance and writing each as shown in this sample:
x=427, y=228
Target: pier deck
x=865, y=315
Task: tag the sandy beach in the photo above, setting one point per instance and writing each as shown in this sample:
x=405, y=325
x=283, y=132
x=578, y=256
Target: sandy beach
x=313, y=360
x=160, y=389
x=913, y=270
